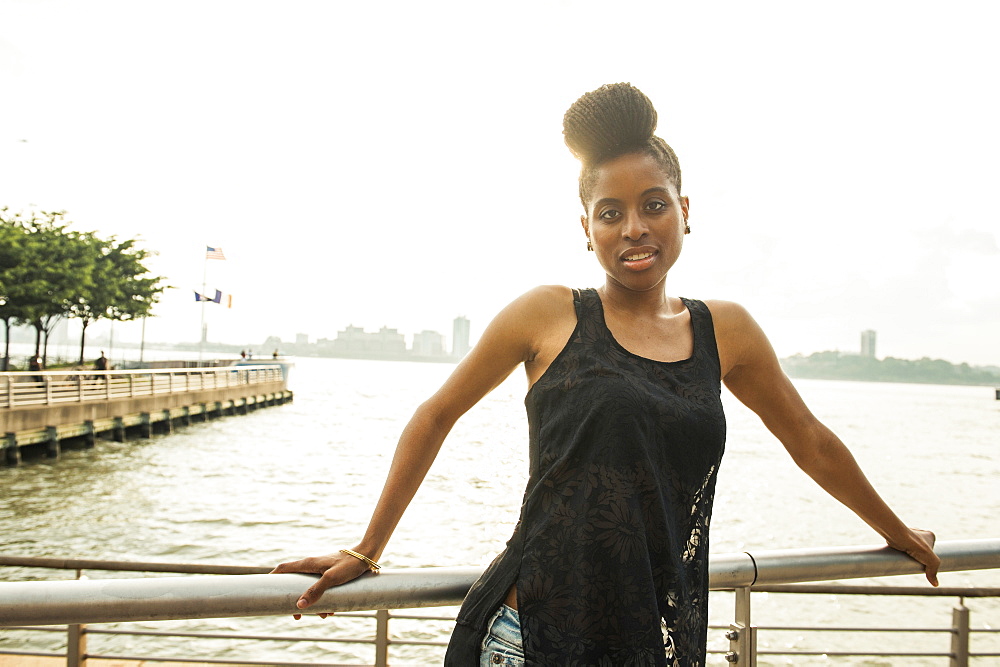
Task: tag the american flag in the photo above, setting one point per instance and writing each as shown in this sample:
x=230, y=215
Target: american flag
x=213, y=253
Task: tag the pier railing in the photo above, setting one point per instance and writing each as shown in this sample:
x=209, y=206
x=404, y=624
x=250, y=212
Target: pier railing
x=44, y=388
x=76, y=603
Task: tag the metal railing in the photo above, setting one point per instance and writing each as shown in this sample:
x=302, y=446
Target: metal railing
x=41, y=388
x=76, y=603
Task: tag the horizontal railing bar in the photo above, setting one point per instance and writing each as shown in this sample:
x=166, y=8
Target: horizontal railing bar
x=128, y=566
x=833, y=563
x=218, y=661
x=415, y=642
x=214, y=635
x=164, y=598
x=275, y=638
x=838, y=589
x=812, y=628
x=852, y=654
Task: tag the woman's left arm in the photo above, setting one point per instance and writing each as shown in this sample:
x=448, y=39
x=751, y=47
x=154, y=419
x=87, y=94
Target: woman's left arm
x=751, y=371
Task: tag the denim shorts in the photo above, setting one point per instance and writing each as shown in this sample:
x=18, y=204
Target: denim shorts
x=502, y=645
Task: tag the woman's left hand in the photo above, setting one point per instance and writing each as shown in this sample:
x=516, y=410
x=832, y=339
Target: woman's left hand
x=919, y=545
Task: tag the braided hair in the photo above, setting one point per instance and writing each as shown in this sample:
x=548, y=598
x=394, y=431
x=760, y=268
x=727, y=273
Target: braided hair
x=614, y=120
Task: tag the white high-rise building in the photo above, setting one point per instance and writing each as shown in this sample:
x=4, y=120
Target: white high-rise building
x=868, y=343
x=460, y=337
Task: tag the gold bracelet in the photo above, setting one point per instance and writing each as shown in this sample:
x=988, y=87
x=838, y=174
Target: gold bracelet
x=372, y=565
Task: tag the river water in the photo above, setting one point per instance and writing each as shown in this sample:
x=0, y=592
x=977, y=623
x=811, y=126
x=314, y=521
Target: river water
x=301, y=479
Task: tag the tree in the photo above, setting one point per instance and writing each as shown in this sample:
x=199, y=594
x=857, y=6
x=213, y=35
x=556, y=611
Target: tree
x=59, y=268
x=11, y=275
x=48, y=272
x=122, y=288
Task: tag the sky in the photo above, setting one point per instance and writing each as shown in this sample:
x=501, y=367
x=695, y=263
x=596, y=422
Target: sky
x=401, y=163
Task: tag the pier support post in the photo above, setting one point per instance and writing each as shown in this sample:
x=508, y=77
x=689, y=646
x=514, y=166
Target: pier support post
x=187, y=415
x=146, y=427
x=11, y=451
x=89, y=436
x=52, y=449
x=168, y=426
x=118, y=430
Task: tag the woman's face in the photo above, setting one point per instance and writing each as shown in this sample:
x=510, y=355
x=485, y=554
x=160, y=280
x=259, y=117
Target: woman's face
x=635, y=220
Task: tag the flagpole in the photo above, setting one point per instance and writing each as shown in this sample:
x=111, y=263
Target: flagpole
x=201, y=331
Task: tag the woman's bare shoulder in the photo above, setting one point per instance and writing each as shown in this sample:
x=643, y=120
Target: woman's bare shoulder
x=544, y=302
x=728, y=314
x=740, y=339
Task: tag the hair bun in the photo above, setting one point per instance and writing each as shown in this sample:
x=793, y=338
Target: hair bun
x=613, y=120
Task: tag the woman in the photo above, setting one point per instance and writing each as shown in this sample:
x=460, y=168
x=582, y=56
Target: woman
x=608, y=564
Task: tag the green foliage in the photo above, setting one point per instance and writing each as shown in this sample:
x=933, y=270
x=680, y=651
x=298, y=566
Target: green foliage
x=838, y=366
x=48, y=272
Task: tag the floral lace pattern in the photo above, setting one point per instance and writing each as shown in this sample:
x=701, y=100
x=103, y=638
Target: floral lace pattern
x=614, y=526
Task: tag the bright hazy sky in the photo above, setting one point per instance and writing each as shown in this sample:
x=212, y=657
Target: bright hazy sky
x=401, y=163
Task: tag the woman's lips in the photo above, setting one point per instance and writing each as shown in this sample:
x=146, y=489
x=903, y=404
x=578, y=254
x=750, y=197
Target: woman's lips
x=638, y=259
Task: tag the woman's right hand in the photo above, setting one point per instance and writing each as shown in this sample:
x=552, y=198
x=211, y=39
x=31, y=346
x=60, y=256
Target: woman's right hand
x=334, y=569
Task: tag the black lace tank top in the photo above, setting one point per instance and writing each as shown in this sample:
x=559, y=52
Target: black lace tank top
x=610, y=555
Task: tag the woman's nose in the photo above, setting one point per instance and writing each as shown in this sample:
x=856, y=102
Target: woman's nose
x=634, y=227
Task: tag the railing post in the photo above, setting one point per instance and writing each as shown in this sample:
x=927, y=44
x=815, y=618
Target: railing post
x=48, y=390
x=10, y=392
x=76, y=646
x=960, y=635
x=742, y=635
x=79, y=389
x=107, y=386
x=382, y=638
x=131, y=385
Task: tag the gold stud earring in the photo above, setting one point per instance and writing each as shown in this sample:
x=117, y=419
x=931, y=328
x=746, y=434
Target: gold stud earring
x=590, y=246
x=687, y=227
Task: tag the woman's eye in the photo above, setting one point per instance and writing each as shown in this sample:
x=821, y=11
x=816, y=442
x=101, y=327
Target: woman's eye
x=610, y=214
x=656, y=205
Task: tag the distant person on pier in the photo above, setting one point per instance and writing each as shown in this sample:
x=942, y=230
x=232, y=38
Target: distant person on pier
x=35, y=364
x=608, y=563
x=102, y=363
x=275, y=355
x=243, y=354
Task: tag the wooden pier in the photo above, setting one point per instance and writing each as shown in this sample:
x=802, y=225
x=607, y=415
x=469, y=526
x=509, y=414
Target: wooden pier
x=48, y=407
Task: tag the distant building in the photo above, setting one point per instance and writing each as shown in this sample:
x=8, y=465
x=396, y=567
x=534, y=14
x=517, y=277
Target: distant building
x=428, y=344
x=354, y=340
x=301, y=339
x=356, y=343
x=868, y=343
x=460, y=337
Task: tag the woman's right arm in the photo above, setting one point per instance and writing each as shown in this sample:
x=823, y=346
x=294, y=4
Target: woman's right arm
x=510, y=339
